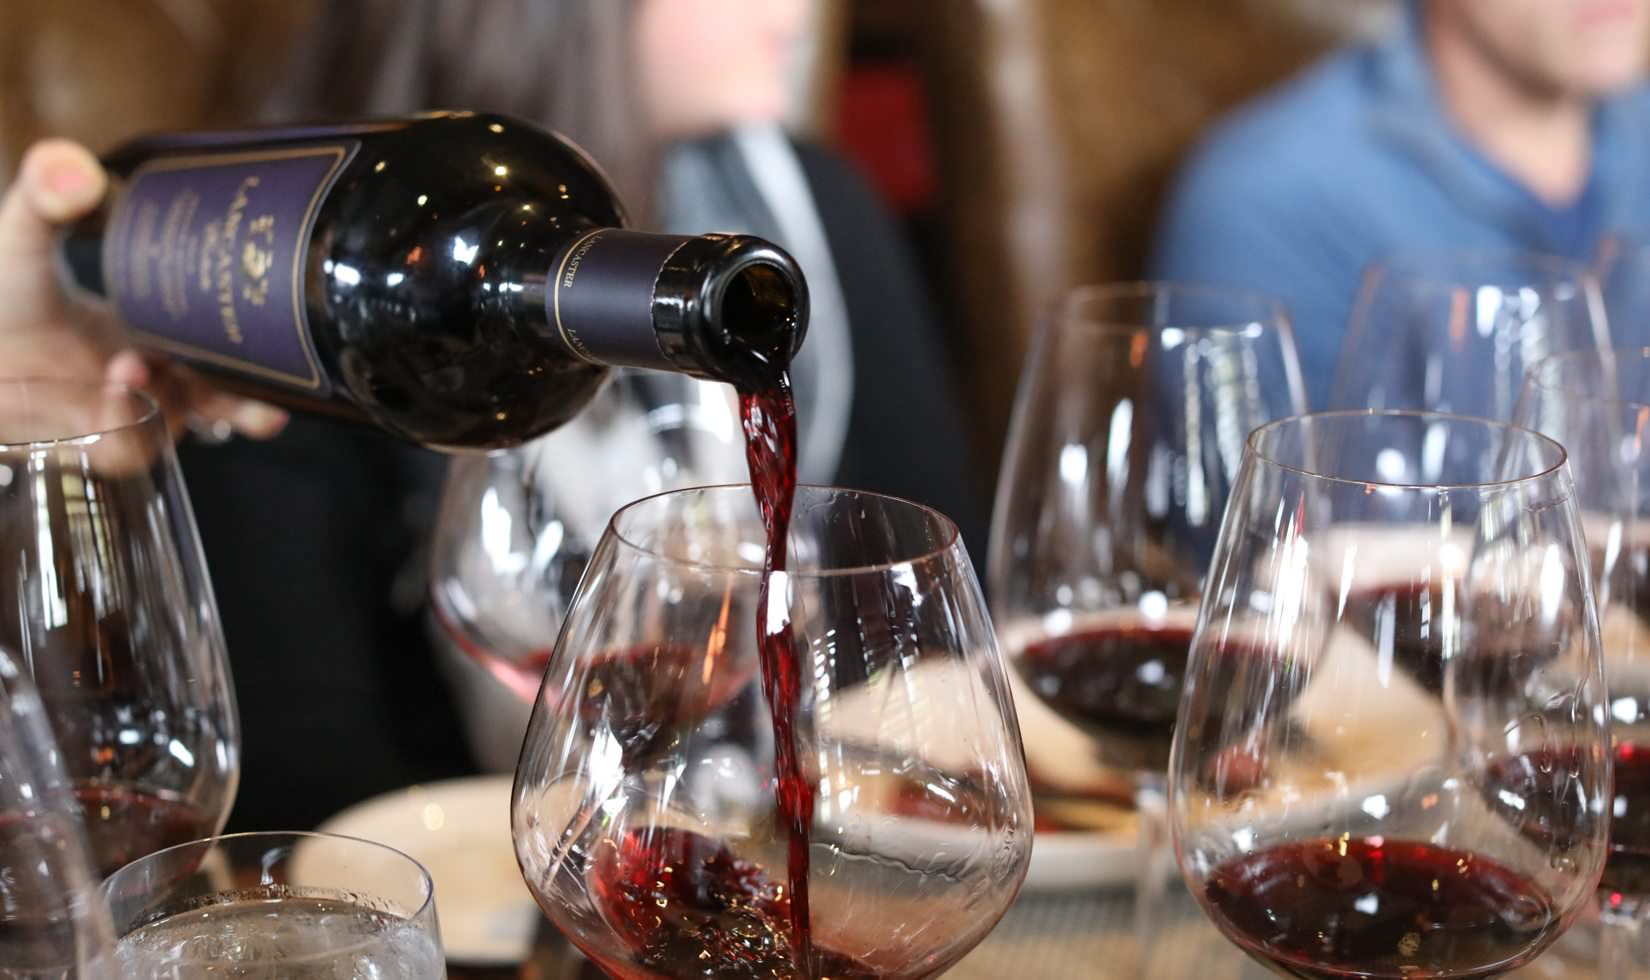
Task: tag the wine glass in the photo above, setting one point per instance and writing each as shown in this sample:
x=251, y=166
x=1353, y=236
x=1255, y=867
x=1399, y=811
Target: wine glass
x=644, y=811
x=275, y=906
x=516, y=529
x=1598, y=405
x=1126, y=436
x=53, y=923
x=1454, y=331
x=1392, y=755
x=112, y=614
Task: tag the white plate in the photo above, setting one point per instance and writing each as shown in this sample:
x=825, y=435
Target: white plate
x=460, y=831
x=1068, y=861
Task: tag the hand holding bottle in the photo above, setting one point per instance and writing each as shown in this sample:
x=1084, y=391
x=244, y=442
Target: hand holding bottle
x=42, y=335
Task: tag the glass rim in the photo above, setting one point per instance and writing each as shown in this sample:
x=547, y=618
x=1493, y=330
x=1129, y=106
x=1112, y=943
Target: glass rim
x=218, y=840
x=1533, y=376
x=1065, y=316
x=1434, y=266
x=1252, y=447
x=951, y=536
x=148, y=411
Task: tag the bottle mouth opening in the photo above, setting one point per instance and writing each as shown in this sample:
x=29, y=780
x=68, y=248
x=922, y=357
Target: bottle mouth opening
x=735, y=309
x=759, y=306
x=758, y=314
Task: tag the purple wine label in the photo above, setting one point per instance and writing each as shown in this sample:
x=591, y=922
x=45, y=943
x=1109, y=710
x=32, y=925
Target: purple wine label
x=601, y=299
x=205, y=257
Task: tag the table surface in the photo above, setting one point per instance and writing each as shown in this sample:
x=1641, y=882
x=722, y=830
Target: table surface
x=1091, y=934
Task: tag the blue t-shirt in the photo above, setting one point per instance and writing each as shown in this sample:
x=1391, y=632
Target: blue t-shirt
x=1354, y=161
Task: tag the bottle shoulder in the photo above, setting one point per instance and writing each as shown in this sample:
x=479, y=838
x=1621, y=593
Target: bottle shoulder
x=450, y=215
x=473, y=162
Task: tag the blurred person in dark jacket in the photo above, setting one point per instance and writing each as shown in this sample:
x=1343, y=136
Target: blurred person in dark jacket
x=314, y=538
x=1488, y=124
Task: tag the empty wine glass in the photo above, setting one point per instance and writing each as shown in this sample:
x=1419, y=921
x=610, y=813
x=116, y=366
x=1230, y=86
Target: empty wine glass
x=53, y=923
x=1126, y=436
x=112, y=614
x=1598, y=406
x=276, y=907
x=1392, y=756
x=644, y=811
x=1455, y=331
x=516, y=529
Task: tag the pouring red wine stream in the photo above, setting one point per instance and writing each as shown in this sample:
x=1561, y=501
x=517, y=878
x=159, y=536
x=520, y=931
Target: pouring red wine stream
x=769, y=419
x=717, y=907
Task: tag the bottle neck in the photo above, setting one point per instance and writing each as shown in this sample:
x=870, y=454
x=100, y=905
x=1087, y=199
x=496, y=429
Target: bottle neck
x=599, y=299
x=724, y=307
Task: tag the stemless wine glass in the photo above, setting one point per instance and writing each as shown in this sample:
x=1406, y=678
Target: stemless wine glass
x=1455, y=331
x=644, y=811
x=53, y=923
x=517, y=528
x=1598, y=406
x=112, y=614
x=1391, y=759
x=275, y=907
x=1127, y=434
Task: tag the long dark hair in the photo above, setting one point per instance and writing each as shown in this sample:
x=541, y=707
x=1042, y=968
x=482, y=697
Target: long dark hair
x=564, y=64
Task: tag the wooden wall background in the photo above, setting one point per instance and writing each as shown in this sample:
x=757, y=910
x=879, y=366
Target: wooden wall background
x=101, y=70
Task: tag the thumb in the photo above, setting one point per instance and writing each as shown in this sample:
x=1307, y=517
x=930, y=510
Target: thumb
x=57, y=182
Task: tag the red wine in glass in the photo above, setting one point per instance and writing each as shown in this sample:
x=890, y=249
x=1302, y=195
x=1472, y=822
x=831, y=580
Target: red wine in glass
x=687, y=906
x=521, y=676
x=1626, y=585
x=1535, y=793
x=1627, y=870
x=520, y=673
x=1627, y=581
x=1405, y=620
x=641, y=694
x=1119, y=680
x=1495, y=642
x=1351, y=907
x=123, y=824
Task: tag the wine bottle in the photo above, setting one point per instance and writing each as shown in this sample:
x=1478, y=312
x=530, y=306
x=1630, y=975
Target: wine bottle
x=458, y=279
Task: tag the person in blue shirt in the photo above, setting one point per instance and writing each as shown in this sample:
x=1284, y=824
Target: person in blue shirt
x=1477, y=124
